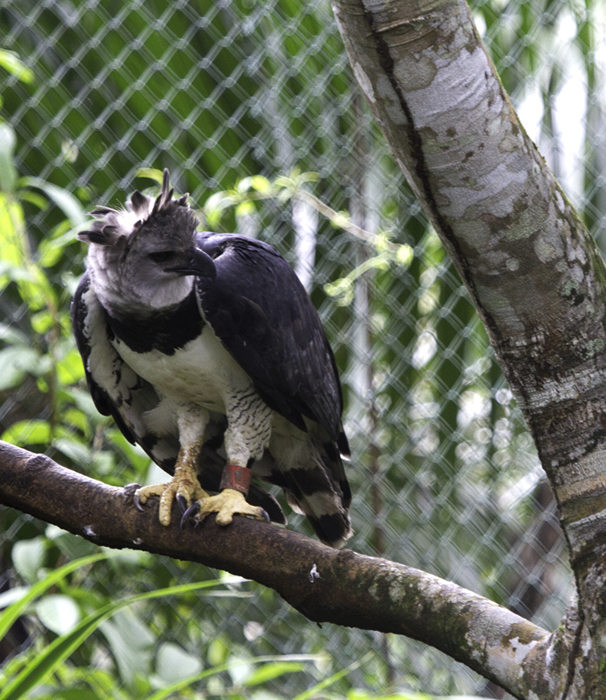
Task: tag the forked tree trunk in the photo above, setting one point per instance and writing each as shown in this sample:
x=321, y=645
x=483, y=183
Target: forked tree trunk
x=530, y=266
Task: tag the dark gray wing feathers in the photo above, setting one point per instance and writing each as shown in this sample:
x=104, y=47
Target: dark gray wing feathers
x=261, y=313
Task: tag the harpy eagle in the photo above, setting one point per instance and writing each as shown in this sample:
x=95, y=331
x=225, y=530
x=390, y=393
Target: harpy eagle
x=207, y=351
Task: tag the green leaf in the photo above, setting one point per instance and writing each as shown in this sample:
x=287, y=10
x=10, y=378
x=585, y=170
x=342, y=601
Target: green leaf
x=8, y=173
x=58, y=613
x=28, y=558
x=134, y=454
x=218, y=651
x=28, y=432
x=33, y=198
x=72, y=546
x=404, y=255
x=219, y=201
x=131, y=643
x=70, y=368
x=173, y=664
x=151, y=173
x=11, y=62
x=10, y=615
x=10, y=334
x=245, y=208
x=42, y=321
x=312, y=692
x=260, y=184
x=13, y=595
x=74, y=450
x=17, y=361
x=244, y=185
x=270, y=671
x=65, y=200
x=228, y=666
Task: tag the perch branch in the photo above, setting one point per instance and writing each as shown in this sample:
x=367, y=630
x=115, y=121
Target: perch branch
x=324, y=584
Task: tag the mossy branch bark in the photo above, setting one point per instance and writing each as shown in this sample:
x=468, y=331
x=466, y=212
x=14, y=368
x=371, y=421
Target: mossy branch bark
x=324, y=584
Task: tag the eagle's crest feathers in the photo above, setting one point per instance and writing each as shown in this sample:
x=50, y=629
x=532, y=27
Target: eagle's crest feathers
x=119, y=228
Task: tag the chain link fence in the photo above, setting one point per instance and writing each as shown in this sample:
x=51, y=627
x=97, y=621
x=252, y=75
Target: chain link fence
x=444, y=474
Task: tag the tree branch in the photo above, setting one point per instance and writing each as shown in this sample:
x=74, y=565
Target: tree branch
x=324, y=584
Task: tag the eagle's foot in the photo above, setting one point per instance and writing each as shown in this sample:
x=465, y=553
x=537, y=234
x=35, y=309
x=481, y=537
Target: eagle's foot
x=184, y=488
x=225, y=504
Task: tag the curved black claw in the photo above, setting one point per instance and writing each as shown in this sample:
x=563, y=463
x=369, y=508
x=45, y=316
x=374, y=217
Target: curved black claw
x=191, y=512
x=265, y=514
x=137, y=503
x=182, y=501
x=130, y=491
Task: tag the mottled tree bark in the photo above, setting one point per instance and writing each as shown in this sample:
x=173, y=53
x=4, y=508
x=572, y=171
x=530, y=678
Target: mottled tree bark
x=530, y=266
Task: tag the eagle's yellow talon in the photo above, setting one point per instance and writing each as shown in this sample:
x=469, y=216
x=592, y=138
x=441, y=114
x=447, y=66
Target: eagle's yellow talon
x=227, y=504
x=183, y=484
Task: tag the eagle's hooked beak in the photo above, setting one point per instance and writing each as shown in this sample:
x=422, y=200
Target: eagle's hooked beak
x=195, y=262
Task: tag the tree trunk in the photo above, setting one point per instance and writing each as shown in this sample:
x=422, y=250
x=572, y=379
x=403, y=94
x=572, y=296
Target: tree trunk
x=531, y=268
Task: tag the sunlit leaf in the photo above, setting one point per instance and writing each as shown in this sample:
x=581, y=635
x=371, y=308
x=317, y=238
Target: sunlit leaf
x=260, y=183
x=58, y=613
x=131, y=643
x=8, y=173
x=268, y=672
x=28, y=432
x=12, y=595
x=174, y=664
x=151, y=173
x=47, y=660
x=70, y=368
x=11, y=62
x=218, y=651
x=8, y=616
x=245, y=208
x=65, y=200
x=29, y=557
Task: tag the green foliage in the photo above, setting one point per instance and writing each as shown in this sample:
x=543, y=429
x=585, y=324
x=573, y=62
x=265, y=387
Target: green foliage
x=257, y=188
x=129, y=640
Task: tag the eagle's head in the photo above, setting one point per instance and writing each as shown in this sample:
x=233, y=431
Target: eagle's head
x=145, y=255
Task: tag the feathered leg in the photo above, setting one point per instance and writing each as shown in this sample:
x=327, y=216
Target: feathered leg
x=185, y=487
x=247, y=435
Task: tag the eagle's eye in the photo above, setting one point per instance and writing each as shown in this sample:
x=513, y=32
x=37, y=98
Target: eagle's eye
x=162, y=256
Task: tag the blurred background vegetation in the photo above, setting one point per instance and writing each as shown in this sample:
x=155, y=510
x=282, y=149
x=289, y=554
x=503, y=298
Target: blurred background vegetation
x=254, y=109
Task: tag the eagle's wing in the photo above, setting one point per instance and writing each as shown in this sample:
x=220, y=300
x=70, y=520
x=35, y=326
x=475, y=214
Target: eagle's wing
x=118, y=391
x=263, y=316
x=115, y=388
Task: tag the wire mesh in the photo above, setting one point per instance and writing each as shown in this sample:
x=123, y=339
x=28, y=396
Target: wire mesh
x=444, y=474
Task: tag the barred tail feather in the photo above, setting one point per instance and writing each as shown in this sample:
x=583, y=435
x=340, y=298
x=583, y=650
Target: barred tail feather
x=326, y=515
x=319, y=490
